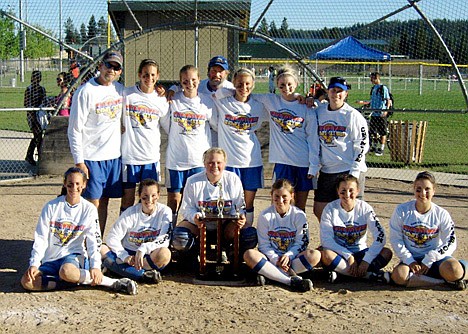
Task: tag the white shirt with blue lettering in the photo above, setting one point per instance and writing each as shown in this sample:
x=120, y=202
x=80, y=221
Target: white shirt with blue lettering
x=278, y=236
x=188, y=126
x=293, y=132
x=141, y=140
x=65, y=229
x=237, y=123
x=94, y=128
x=430, y=236
x=136, y=231
x=344, y=139
x=346, y=232
x=199, y=192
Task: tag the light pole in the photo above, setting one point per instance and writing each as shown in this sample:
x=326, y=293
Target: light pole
x=60, y=35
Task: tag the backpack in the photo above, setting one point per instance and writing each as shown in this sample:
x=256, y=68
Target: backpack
x=380, y=91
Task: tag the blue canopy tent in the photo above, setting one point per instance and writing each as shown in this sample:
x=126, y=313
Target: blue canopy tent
x=350, y=48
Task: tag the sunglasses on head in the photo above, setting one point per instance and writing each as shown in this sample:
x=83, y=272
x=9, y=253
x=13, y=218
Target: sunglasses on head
x=110, y=66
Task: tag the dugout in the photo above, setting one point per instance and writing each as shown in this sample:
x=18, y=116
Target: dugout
x=169, y=33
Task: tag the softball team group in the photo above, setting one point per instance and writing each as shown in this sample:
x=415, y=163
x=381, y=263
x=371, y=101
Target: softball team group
x=213, y=155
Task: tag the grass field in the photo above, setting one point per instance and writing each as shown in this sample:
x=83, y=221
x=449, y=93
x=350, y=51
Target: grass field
x=446, y=145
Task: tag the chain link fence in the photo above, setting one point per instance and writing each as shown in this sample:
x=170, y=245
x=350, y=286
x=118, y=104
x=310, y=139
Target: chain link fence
x=425, y=73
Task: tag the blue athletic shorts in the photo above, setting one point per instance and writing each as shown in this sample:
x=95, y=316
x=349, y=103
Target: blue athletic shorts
x=326, y=187
x=296, y=175
x=52, y=268
x=251, y=177
x=105, y=179
x=133, y=174
x=176, y=179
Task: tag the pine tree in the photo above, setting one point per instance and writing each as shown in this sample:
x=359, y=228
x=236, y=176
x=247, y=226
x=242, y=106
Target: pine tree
x=83, y=33
x=102, y=27
x=70, y=30
x=92, y=28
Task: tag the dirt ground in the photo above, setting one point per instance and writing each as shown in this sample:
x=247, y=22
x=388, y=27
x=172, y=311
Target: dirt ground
x=179, y=305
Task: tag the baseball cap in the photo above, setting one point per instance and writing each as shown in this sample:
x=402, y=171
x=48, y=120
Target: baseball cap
x=220, y=61
x=338, y=82
x=114, y=56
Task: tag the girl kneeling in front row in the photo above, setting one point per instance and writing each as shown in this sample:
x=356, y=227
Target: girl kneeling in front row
x=283, y=237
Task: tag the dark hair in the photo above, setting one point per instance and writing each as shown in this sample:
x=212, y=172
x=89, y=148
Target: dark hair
x=147, y=62
x=147, y=183
x=282, y=183
x=345, y=178
x=36, y=75
x=72, y=170
x=426, y=176
x=375, y=74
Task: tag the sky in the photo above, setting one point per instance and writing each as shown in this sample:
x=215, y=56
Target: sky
x=300, y=14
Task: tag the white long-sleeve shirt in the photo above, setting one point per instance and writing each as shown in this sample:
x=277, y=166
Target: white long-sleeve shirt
x=278, y=236
x=62, y=230
x=199, y=192
x=237, y=124
x=293, y=132
x=344, y=139
x=345, y=232
x=430, y=236
x=188, y=126
x=141, y=140
x=137, y=231
x=94, y=128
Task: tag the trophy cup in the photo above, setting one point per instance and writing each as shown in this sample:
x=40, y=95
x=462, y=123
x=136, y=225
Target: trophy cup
x=220, y=203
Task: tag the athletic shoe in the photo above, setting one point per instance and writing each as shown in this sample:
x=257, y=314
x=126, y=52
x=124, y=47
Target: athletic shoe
x=332, y=276
x=460, y=284
x=125, y=285
x=372, y=149
x=152, y=276
x=381, y=277
x=379, y=152
x=261, y=281
x=300, y=284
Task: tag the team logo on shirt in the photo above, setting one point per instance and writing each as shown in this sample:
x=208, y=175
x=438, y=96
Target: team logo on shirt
x=350, y=235
x=211, y=207
x=65, y=231
x=282, y=239
x=110, y=107
x=329, y=131
x=141, y=237
x=189, y=121
x=420, y=234
x=241, y=123
x=141, y=114
x=286, y=120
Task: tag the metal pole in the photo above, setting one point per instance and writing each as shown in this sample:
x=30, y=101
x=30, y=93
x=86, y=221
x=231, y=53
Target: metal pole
x=439, y=37
x=22, y=41
x=196, y=36
x=60, y=36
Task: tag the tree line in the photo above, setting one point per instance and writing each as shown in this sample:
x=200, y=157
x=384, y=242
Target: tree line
x=411, y=38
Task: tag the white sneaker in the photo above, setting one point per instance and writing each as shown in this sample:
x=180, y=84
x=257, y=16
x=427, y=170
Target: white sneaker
x=125, y=285
x=381, y=277
x=332, y=276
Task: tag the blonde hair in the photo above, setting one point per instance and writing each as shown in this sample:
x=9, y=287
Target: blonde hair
x=287, y=70
x=243, y=72
x=188, y=68
x=214, y=150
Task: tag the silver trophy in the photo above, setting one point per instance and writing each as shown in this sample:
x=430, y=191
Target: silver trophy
x=220, y=202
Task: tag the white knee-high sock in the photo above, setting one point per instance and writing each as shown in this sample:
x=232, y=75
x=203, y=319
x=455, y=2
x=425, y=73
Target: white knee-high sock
x=301, y=265
x=419, y=281
x=85, y=279
x=272, y=272
x=340, y=265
